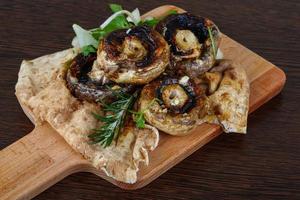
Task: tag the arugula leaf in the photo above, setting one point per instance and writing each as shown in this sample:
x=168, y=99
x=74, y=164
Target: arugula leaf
x=139, y=120
x=115, y=7
x=150, y=22
x=154, y=21
x=98, y=33
x=172, y=12
x=119, y=22
x=86, y=50
x=88, y=40
x=139, y=117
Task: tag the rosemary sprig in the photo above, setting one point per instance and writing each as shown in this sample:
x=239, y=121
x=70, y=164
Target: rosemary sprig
x=114, y=121
x=212, y=42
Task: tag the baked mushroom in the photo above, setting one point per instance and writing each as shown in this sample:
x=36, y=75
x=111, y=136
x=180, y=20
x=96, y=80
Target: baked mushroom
x=85, y=86
x=193, y=43
x=179, y=103
x=133, y=56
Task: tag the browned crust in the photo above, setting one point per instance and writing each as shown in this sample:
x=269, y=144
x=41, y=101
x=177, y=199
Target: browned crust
x=173, y=124
x=156, y=63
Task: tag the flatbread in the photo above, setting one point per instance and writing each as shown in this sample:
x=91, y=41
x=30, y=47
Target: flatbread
x=41, y=88
x=229, y=104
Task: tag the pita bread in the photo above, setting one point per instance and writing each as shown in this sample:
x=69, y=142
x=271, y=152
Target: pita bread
x=41, y=88
x=229, y=104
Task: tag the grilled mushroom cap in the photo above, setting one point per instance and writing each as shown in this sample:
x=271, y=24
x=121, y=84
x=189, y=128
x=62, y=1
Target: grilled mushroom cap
x=175, y=96
x=191, y=46
x=83, y=87
x=135, y=56
x=179, y=107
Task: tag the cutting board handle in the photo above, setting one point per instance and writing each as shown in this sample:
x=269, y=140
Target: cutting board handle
x=36, y=162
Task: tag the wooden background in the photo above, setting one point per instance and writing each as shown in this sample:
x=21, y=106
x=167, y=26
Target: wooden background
x=264, y=164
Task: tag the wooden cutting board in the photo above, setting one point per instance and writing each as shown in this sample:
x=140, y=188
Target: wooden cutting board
x=42, y=157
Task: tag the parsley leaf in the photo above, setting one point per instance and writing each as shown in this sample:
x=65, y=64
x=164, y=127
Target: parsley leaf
x=172, y=12
x=86, y=50
x=150, y=22
x=139, y=117
x=154, y=21
x=115, y=7
x=120, y=22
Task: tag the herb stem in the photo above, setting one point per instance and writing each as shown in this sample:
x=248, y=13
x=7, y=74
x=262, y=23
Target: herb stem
x=114, y=121
x=212, y=42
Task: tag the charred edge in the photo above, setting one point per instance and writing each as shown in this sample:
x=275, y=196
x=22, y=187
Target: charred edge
x=85, y=88
x=145, y=34
x=187, y=88
x=168, y=26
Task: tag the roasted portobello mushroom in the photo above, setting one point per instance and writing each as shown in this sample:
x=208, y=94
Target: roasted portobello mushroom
x=193, y=43
x=179, y=104
x=133, y=56
x=83, y=85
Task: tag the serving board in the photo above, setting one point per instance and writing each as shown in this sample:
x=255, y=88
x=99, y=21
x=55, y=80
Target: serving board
x=42, y=157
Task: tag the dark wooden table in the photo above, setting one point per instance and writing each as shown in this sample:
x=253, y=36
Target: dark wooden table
x=264, y=164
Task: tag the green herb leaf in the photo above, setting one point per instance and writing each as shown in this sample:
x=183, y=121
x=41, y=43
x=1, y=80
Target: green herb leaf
x=139, y=120
x=117, y=23
x=115, y=7
x=139, y=117
x=120, y=22
x=172, y=12
x=86, y=50
x=150, y=22
x=91, y=37
x=154, y=21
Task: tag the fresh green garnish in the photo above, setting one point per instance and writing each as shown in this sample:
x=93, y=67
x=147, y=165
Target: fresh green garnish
x=139, y=117
x=91, y=37
x=86, y=50
x=154, y=21
x=86, y=38
x=150, y=22
x=83, y=37
x=212, y=42
x=118, y=22
x=172, y=12
x=115, y=7
x=113, y=122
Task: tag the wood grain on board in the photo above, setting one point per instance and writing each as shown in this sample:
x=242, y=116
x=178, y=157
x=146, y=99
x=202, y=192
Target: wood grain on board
x=41, y=158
